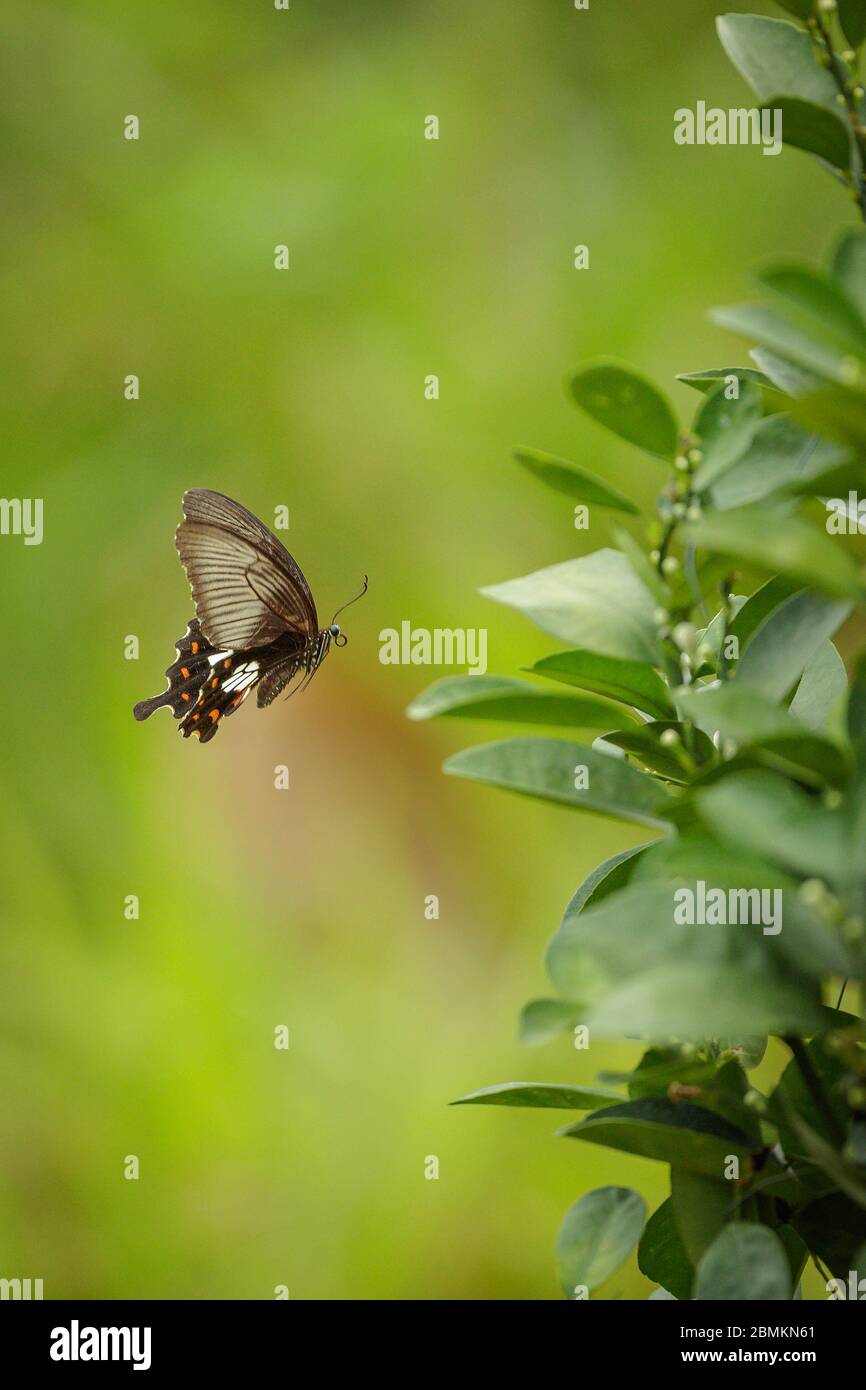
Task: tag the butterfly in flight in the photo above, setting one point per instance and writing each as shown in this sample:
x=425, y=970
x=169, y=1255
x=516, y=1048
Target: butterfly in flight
x=255, y=623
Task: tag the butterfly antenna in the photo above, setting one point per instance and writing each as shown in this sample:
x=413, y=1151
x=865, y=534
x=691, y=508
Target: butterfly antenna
x=360, y=594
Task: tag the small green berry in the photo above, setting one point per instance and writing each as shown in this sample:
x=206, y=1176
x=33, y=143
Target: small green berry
x=812, y=892
x=755, y=1101
x=685, y=636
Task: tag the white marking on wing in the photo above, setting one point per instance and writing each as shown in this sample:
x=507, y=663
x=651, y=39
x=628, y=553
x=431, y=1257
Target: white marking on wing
x=242, y=678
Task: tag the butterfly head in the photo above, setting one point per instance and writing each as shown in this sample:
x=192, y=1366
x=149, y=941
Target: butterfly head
x=335, y=632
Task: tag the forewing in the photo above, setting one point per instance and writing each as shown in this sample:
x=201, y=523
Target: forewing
x=241, y=595
x=232, y=553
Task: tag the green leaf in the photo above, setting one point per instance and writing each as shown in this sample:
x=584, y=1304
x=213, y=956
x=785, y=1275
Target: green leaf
x=821, y=689
x=628, y=405
x=737, y=713
x=819, y=303
x=706, y=380
x=541, y=1095
x=759, y=606
x=607, y=877
x=803, y=9
x=547, y=768
x=633, y=683
x=782, y=458
x=678, y=998
x=849, y=266
x=792, y=1099
x=856, y=712
x=645, y=747
x=838, y=1018
x=808, y=349
x=725, y=429
x=745, y=1263
x=644, y=973
x=595, y=602
x=701, y=1207
x=852, y=17
x=774, y=539
x=663, y=1067
x=671, y=1132
x=794, y=381
x=597, y=1234
x=725, y=1095
x=786, y=641
x=768, y=815
x=775, y=57
x=642, y=565
x=573, y=481
x=767, y=733
x=542, y=1020
x=834, y=1228
x=838, y=414
x=796, y=1251
x=661, y=1255
x=806, y=126
x=501, y=697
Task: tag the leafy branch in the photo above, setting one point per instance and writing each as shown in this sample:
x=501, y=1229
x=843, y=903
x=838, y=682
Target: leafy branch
x=698, y=654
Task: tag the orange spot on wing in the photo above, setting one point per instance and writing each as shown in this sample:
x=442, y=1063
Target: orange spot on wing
x=184, y=671
x=214, y=714
x=214, y=683
x=227, y=663
x=195, y=648
x=184, y=696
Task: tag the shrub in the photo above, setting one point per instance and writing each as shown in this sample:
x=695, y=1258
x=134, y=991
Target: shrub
x=728, y=726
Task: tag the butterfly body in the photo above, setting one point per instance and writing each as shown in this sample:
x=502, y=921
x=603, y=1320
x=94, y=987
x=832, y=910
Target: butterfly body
x=255, y=624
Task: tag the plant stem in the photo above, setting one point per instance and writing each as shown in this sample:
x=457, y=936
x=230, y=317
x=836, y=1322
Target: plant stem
x=813, y=1085
x=846, y=91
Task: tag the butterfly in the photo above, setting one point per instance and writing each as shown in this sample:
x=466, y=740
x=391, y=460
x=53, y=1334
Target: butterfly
x=255, y=622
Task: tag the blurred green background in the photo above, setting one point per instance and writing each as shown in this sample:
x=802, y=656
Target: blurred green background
x=258, y=907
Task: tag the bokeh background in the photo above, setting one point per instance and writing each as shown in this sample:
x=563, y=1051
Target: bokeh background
x=305, y=388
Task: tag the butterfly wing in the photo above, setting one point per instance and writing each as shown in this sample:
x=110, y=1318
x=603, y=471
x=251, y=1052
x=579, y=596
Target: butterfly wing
x=186, y=675
x=227, y=685
x=248, y=591
x=274, y=681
